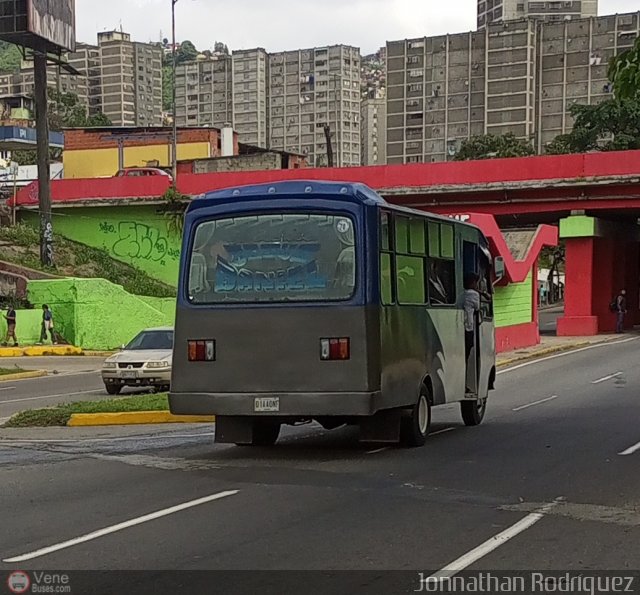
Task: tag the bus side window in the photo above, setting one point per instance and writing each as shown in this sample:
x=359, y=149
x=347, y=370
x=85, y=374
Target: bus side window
x=386, y=281
x=386, y=264
x=410, y=248
x=442, y=264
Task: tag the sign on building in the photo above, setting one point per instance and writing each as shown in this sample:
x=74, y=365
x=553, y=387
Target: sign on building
x=34, y=23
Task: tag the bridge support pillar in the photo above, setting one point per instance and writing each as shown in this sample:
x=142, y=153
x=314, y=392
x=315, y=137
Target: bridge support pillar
x=602, y=257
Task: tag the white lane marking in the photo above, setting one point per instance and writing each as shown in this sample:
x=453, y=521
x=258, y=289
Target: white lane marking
x=82, y=392
x=442, y=431
x=536, y=403
x=630, y=450
x=492, y=544
x=9, y=442
x=605, y=378
x=119, y=527
x=564, y=354
x=7, y=388
x=377, y=450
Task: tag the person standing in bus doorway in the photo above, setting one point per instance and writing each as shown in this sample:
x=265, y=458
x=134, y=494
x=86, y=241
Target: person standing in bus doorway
x=471, y=308
x=472, y=294
x=621, y=310
x=10, y=317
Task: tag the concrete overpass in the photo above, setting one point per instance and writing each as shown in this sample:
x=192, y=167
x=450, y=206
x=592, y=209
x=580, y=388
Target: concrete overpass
x=595, y=198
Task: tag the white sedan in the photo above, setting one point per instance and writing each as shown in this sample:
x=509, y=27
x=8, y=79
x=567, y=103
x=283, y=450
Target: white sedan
x=145, y=362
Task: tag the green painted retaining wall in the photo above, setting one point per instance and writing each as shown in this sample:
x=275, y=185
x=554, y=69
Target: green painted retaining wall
x=513, y=304
x=97, y=314
x=28, y=325
x=137, y=235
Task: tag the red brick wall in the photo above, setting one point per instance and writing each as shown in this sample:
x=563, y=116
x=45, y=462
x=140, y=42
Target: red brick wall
x=89, y=139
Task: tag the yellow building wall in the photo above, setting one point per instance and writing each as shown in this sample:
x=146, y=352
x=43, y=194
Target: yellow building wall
x=103, y=163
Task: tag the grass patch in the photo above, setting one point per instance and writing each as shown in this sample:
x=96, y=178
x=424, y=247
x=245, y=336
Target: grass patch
x=7, y=371
x=21, y=244
x=61, y=414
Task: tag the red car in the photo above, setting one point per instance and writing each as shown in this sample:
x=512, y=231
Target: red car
x=142, y=171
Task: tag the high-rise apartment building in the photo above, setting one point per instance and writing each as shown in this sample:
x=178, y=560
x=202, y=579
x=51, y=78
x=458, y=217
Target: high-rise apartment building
x=131, y=80
x=282, y=101
x=520, y=77
x=497, y=11
x=204, y=92
x=374, y=131
x=57, y=78
x=119, y=77
x=309, y=90
x=249, y=95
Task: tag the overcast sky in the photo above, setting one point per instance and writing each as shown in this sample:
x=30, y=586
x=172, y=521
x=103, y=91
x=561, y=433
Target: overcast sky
x=280, y=25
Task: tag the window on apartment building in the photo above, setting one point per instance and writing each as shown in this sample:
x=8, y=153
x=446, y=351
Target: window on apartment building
x=414, y=45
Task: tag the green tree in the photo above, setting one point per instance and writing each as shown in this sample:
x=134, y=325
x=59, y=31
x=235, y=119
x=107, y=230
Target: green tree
x=186, y=52
x=488, y=146
x=65, y=110
x=98, y=120
x=167, y=88
x=613, y=125
x=10, y=57
x=624, y=73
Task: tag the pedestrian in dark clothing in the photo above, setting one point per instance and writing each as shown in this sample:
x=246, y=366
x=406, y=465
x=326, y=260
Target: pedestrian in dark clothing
x=621, y=310
x=47, y=325
x=10, y=317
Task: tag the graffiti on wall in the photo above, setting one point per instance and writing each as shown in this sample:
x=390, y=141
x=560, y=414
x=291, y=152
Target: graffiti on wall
x=140, y=241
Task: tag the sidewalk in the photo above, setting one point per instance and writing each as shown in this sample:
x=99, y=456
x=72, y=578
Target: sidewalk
x=40, y=350
x=550, y=345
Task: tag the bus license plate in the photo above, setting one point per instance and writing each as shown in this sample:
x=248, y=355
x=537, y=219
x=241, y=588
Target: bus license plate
x=266, y=405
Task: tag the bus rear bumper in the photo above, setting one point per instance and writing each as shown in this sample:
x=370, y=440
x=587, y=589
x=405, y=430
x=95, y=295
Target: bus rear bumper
x=307, y=405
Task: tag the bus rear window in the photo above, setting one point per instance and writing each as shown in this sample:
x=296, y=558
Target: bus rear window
x=273, y=258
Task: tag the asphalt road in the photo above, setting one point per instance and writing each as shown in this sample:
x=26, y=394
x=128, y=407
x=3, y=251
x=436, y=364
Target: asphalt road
x=549, y=482
x=70, y=379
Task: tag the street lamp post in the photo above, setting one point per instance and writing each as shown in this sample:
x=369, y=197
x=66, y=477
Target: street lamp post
x=174, y=150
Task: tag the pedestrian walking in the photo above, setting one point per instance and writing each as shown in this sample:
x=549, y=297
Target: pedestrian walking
x=620, y=310
x=47, y=325
x=10, y=317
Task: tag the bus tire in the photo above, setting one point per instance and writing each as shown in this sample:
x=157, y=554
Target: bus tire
x=414, y=428
x=473, y=411
x=265, y=433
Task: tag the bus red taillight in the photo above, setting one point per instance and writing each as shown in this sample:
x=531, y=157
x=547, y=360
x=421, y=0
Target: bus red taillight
x=202, y=351
x=335, y=349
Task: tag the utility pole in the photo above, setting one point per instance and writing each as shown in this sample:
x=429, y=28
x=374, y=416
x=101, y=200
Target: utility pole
x=174, y=165
x=44, y=176
x=327, y=135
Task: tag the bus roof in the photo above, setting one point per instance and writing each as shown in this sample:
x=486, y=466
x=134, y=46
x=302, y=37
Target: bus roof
x=349, y=191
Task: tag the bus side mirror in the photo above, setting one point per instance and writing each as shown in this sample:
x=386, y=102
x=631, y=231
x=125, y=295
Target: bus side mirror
x=498, y=268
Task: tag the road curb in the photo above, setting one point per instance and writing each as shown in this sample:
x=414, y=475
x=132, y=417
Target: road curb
x=135, y=418
x=23, y=375
x=94, y=353
x=546, y=351
x=40, y=351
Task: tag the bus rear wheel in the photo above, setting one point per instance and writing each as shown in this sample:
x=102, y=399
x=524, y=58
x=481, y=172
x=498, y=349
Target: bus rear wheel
x=473, y=411
x=414, y=428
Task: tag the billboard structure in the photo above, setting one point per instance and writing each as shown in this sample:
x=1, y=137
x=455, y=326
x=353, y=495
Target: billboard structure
x=39, y=23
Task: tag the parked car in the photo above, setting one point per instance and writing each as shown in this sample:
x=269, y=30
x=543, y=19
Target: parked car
x=142, y=171
x=146, y=361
